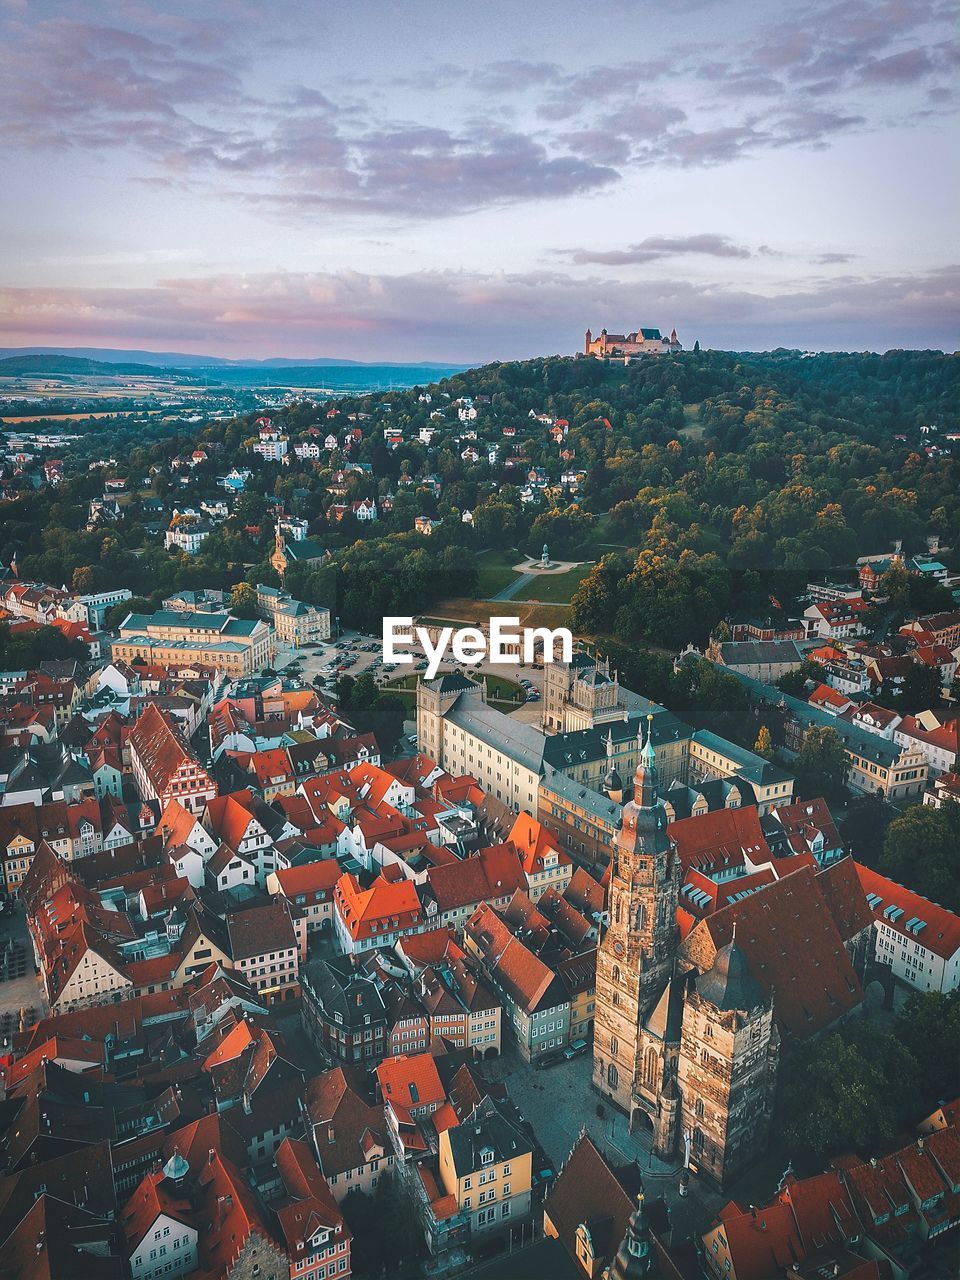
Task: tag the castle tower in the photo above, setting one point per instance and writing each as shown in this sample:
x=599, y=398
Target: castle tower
x=587, y=339
x=729, y=1048
x=434, y=700
x=635, y=958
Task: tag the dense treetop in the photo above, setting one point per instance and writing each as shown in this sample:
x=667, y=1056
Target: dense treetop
x=705, y=481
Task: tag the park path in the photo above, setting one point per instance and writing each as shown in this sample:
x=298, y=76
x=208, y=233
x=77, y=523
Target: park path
x=511, y=589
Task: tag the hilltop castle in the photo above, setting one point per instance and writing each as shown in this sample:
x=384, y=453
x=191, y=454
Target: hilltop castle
x=630, y=346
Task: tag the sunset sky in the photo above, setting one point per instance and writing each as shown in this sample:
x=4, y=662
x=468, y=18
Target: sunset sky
x=469, y=181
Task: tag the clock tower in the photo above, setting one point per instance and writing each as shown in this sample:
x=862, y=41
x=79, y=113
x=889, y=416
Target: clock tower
x=635, y=958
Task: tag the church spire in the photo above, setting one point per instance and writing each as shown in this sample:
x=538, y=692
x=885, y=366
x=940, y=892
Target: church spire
x=645, y=781
x=634, y=1258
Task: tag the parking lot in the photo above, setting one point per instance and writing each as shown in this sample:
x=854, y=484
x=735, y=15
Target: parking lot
x=354, y=653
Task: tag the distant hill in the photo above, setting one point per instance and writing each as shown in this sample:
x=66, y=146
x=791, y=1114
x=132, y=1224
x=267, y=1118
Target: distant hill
x=183, y=360
x=80, y=366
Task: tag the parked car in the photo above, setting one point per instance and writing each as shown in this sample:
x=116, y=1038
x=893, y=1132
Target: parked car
x=550, y=1059
x=575, y=1049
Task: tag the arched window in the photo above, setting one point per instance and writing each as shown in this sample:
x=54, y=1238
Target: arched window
x=613, y=1078
x=614, y=1045
x=698, y=1107
x=698, y=1139
x=650, y=1068
x=617, y=910
x=616, y=973
x=640, y=916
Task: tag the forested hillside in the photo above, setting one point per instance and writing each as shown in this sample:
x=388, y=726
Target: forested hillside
x=697, y=482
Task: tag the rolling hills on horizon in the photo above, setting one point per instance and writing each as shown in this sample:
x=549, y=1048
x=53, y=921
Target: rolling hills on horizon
x=184, y=360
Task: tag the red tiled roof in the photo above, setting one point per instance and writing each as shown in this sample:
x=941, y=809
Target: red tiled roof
x=941, y=933
x=533, y=842
x=311, y=1206
x=159, y=748
x=311, y=878
x=229, y=816
x=774, y=926
x=762, y=1242
x=361, y=909
x=410, y=1081
x=720, y=839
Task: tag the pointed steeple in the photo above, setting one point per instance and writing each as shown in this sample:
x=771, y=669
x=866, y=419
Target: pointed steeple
x=645, y=781
x=635, y=1257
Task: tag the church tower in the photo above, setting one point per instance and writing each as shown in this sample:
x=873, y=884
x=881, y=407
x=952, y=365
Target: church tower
x=635, y=958
x=727, y=1067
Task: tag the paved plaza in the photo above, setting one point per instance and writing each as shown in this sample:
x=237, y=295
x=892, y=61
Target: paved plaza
x=559, y=1102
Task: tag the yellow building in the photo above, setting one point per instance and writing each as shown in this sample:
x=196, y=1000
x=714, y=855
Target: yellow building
x=17, y=862
x=486, y=1163
x=238, y=646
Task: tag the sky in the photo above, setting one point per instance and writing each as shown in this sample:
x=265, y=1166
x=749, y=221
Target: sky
x=460, y=181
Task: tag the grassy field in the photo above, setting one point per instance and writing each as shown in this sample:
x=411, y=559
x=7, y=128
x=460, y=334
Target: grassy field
x=501, y=693
x=555, y=588
x=54, y=416
x=481, y=611
x=495, y=570
x=692, y=426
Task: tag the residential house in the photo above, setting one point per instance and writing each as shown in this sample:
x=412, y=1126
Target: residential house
x=918, y=939
x=343, y=1011
x=163, y=767
x=486, y=1165
x=347, y=1132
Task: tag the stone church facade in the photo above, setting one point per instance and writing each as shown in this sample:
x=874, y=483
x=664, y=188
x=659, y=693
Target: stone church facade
x=691, y=1055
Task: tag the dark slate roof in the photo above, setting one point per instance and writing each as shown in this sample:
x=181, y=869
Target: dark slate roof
x=563, y=750
x=864, y=743
x=340, y=989
x=728, y=984
x=486, y=1128
x=453, y=683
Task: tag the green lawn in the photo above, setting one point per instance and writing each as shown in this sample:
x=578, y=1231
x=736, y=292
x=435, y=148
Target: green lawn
x=692, y=426
x=495, y=571
x=501, y=693
x=555, y=588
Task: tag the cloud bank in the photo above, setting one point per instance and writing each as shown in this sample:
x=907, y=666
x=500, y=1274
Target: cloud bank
x=472, y=317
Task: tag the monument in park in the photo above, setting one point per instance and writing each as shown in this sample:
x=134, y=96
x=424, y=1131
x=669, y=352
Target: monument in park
x=545, y=558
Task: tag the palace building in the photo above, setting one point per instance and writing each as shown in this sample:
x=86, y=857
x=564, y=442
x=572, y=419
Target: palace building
x=630, y=346
x=580, y=694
